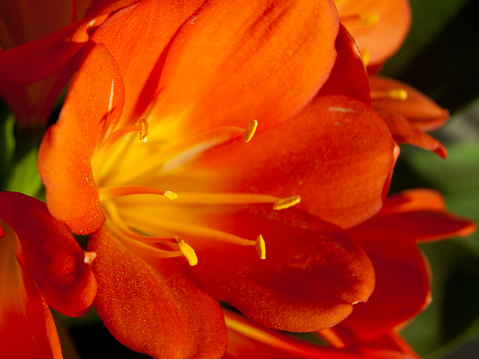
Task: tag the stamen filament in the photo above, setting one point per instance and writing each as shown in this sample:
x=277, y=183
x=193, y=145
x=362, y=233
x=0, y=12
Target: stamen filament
x=286, y=202
x=107, y=193
x=224, y=198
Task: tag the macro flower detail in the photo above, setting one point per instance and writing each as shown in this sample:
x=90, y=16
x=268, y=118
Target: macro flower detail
x=197, y=185
x=41, y=265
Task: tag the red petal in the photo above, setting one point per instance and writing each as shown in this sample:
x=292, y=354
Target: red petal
x=237, y=61
x=129, y=35
x=405, y=132
x=337, y=155
x=27, y=329
x=381, y=39
x=422, y=217
x=152, y=307
x=402, y=284
x=50, y=254
x=417, y=108
x=309, y=280
x=68, y=145
x=349, y=76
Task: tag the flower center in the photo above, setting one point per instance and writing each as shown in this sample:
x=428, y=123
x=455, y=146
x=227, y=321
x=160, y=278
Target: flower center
x=135, y=167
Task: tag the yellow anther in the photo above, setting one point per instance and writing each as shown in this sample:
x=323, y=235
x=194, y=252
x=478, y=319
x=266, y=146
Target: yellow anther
x=144, y=130
x=398, y=94
x=250, y=130
x=369, y=19
x=393, y=94
x=187, y=251
x=260, y=247
x=365, y=55
x=284, y=203
x=170, y=195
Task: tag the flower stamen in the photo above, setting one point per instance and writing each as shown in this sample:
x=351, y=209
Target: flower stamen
x=187, y=251
x=107, y=193
x=260, y=247
x=250, y=130
x=363, y=20
x=393, y=94
x=286, y=202
x=144, y=130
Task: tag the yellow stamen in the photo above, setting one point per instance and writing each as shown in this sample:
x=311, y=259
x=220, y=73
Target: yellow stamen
x=393, y=94
x=286, y=202
x=367, y=20
x=188, y=252
x=119, y=191
x=144, y=130
x=250, y=130
x=228, y=198
x=365, y=55
x=260, y=247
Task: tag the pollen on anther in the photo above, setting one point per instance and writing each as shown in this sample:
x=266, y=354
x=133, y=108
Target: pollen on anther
x=170, y=195
x=398, y=94
x=250, y=130
x=260, y=247
x=365, y=56
x=188, y=252
x=284, y=203
x=369, y=19
x=144, y=130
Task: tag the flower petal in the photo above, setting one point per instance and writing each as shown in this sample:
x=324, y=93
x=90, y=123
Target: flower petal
x=337, y=155
x=238, y=61
x=383, y=37
x=92, y=105
x=27, y=329
x=129, y=35
x=152, y=307
x=349, y=76
x=50, y=254
x=417, y=108
x=405, y=132
x=309, y=280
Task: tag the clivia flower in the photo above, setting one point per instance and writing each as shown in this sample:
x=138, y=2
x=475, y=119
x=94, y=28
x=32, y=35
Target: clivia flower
x=208, y=167
x=40, y=48
x=41, y=265
x=402, y=287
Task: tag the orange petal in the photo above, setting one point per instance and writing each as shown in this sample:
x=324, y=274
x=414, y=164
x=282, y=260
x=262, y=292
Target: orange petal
x=417, y=108
x=129, y=35
x=349, y=76
x=309, y=280
x=405, y=132
x=402, y=283
x=27, y=329
x=152, y=307
x=93, y=104
x=238, y=61
x=381, y=36
x=337, y=155
x=50, y=254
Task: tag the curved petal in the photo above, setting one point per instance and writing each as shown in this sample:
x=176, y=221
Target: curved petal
x=405, y=132
x=337, y=155
x=50, y=254
x=309, y=280
x=423, y=217
x=402, y=283
x=152, y=307
x=417, y=108
x=349, y=76
x=93, y=104
x=27, y=329
x=379, y=26
x=129, y=35
x=237, y=61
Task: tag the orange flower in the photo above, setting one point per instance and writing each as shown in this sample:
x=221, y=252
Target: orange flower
x=39, y=50
x=379, y=26
x=402, y=287
x=41, y=265
x=206, y=166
